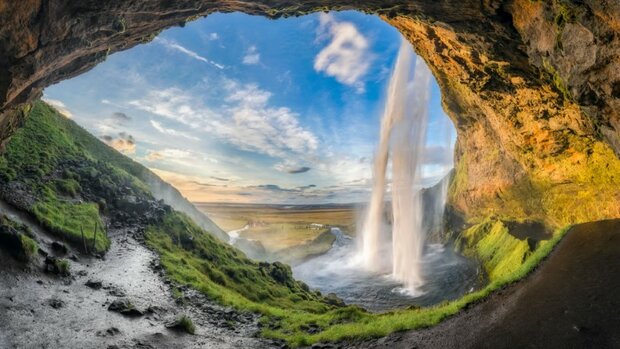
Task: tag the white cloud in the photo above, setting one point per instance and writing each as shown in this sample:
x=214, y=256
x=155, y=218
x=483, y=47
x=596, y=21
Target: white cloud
x=251, y=56
x=213, y=36
x=346, y=57
x=174, y=154
x=246, y=120
x=59, y=106
x=172, y=132
x=176, y=47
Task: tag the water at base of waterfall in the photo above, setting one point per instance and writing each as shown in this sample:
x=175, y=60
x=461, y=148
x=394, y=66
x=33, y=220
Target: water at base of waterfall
x=447, y=276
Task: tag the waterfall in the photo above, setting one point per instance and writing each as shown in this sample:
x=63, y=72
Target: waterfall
x=403, y=129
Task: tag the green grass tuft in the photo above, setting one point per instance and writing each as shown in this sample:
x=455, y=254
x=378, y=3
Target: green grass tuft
x=29, y=247
x=63, y=266
x=185, y=323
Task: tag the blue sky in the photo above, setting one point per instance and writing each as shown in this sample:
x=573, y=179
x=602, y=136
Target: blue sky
x=235, y=108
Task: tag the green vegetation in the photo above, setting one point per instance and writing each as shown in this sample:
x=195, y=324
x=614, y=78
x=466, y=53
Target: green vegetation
x=60, y=165
x=501, y=254
x=29, y=247
x=185, y=323
x=67, y=220
x=63, y=267
x=74, y=179
x=196, y=259
x=16, y=239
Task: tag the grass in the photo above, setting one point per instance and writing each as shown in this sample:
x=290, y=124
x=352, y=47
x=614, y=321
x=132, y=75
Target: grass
x=280, y=228
x=72, y=176
x=63, y=266
x=69, y=220
x=50, y=154
x=193, y=258
x=29, y=247
x=501, y=254
x=185, y=323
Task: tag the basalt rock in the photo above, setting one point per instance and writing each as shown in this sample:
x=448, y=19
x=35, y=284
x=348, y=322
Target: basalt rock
x=533, y=87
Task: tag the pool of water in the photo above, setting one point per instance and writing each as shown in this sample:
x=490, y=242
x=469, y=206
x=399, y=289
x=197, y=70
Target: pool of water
x=447, y=276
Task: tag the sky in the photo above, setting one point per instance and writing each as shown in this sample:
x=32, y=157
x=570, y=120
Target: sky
x=237, y=108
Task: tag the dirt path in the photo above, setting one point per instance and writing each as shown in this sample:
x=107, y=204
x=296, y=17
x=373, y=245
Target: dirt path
x=38, y=310
x=571, y=301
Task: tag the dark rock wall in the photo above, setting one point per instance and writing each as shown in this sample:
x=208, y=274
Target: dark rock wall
x=533, y=87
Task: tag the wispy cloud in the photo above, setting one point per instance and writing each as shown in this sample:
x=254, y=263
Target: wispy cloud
x=251, y=56
x=246, y=120
x=59, y=106
x=346, y=57
x=171, y=132
x=173, y=45
x=168, y=153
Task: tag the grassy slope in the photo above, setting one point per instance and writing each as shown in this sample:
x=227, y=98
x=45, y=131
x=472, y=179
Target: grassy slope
x=195, y=258
x=34, y=156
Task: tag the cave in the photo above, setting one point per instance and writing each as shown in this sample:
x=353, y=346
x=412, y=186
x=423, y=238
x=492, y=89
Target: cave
x=532, y=88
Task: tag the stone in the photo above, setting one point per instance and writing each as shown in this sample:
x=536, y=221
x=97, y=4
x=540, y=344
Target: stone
x=94, y=284
x=125, y=307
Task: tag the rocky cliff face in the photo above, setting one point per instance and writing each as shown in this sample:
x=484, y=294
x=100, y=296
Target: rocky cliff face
x=533, y=87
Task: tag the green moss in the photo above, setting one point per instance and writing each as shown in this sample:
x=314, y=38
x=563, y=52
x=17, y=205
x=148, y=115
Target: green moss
x=194, y=258
x=69, y=220
x=557, y=80
x=501, y=254
x=63, y=266
x=185, y=323
x=29, y=247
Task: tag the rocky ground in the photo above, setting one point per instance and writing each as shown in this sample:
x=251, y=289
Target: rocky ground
x=122, y=300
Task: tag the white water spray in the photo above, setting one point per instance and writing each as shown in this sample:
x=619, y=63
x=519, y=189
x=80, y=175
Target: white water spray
x=404, y=122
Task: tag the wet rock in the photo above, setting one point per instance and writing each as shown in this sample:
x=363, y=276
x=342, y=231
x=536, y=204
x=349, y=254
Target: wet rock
x=311, y=328
x=125, y=307
x=333, y=299
x=110, y=332
x=42, y=252
x=57, y=266
x=182, y=323
x=56, y=303
x=94, y=284
x=59, y=248
x=116, y=292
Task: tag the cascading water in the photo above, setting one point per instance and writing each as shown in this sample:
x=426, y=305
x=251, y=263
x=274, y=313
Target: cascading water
x=430, y=274
x=404, y=123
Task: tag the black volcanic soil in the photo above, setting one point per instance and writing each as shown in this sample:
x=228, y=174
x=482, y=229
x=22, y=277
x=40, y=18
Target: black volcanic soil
x=571, y=301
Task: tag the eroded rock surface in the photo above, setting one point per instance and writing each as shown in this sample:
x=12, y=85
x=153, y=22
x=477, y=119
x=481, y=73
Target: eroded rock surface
x=533, y=87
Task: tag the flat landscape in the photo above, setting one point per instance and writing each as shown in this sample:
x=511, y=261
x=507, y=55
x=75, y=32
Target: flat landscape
x=280, y=227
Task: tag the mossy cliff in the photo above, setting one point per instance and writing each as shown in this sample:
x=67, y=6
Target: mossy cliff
x=532, y=86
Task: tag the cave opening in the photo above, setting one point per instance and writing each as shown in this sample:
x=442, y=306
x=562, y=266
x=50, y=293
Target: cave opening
x=270, y=128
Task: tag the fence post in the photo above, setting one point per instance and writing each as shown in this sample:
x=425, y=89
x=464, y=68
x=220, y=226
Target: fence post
x=95, y=238
x=83, y=240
